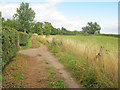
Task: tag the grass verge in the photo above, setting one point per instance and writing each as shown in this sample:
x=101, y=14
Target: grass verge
x=52, y=76
x=13, y=74
x=86, y=73
x=89, y=73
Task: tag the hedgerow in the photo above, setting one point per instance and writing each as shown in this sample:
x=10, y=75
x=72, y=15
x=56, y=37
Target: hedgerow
x=9, y=44
x=23, y=38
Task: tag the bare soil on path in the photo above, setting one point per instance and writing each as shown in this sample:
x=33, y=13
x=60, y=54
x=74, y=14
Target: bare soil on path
x=36, y=75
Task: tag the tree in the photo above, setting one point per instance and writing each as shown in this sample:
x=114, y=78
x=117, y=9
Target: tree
x=64, y=29
x=92, y=28
x=38, y=28
x=54, y=31
x=47, y=28
x=3, y=19
x=10, y=23
x=25, y=16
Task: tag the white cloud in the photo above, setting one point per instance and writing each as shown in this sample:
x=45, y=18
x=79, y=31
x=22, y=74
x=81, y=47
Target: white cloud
x=44, y=12
x=8, y=10
x=48, y=12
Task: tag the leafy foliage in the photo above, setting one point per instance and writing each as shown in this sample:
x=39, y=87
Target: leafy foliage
x=25, y=16
x=37, y=28
x=23, y=38
x=11, y=23
x=92, y=28
x=47, y=28
x=9, y=44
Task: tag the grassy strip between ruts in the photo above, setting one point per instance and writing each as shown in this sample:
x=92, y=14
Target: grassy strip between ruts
x=13, y=74
x=52, y=76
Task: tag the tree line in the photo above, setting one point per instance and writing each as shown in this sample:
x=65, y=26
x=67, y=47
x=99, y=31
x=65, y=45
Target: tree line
x=23, y=21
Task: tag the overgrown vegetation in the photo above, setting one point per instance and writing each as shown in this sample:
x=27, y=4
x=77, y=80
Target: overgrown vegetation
x=11, y=39
x=28, y=42
x=23, y=38
x=93, y=66
x=9, y=45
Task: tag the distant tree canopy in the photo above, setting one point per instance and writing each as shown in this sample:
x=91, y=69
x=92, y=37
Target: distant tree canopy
x=24, y=21
x=92, y=28
x=25, y=16
x=37, y=28
x=47, y=28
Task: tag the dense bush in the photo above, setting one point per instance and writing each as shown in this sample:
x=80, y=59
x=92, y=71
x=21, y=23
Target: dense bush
x=23, y=38
x=9, y=44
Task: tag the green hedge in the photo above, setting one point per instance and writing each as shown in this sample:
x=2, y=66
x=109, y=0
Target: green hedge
x=23, y=38
x=112, y=35
x=9, y=44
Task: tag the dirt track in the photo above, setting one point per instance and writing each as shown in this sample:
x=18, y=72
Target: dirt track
x=35, y=75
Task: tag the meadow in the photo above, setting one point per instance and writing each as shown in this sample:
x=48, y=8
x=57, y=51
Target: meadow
x=93, y=60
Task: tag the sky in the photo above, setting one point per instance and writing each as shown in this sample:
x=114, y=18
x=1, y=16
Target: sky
x=71, y=14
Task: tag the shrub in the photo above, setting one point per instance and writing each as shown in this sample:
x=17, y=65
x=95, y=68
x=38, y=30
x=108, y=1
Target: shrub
x=9, y=44
x=23, y=38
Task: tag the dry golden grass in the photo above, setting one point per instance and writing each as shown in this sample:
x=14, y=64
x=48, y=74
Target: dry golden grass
x=104, y=63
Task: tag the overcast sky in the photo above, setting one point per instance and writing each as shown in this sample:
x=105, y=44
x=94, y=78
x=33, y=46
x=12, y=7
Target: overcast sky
x=71, y=14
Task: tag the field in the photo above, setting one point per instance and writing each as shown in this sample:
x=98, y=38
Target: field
x=92, y=59
x=109, y=43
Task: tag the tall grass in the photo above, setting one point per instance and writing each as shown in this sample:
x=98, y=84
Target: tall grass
x=96, y=64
